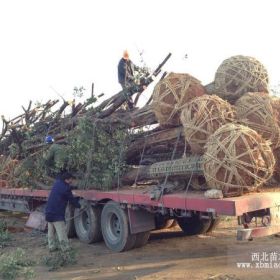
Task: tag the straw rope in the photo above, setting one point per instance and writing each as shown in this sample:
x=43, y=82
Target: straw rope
x=201, y=117
x=237, y=158
x=276, y=153
x=238, y=75
x=171, y=94
x=255, y=110
x=275, y=102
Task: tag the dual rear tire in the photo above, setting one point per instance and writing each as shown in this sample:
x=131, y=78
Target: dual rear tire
x=195, y=225
x=161, y=222
x=111, y=224
x=116, y=230
x=87, y=224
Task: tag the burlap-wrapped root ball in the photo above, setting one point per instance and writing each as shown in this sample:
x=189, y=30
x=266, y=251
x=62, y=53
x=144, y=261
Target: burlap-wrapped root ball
x=255, y=110
x=201, y=117
x=237, y=159
x=171, y=94
x=238, y=75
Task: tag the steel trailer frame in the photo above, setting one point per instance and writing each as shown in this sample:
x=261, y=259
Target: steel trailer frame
x=141, y=207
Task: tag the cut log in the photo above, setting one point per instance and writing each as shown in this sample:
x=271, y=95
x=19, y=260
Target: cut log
x=135, y=118
x=181, y=168
x=166, y=135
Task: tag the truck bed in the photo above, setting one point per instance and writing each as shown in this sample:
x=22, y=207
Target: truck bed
x=191, y=200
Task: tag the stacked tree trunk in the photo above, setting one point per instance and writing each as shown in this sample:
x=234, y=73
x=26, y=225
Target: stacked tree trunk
x=187, y=132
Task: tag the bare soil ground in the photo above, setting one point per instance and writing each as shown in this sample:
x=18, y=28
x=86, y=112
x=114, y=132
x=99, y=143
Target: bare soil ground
x=169, y=255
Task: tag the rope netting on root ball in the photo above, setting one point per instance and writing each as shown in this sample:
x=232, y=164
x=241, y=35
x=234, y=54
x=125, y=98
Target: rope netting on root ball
x=255, y=110
x=238, y=75
x=276, y=174
x=171, y=94
x=237, y=159
x=275, y=102
x=201, y=117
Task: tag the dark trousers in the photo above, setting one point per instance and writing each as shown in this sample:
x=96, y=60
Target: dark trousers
x=129, y=100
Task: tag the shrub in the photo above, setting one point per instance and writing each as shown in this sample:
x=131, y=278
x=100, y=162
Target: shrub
x=16, y=264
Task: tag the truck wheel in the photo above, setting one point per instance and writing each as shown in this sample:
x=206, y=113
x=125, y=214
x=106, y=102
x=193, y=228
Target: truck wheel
x=115, y=228
x=214, y=224
x=69, y=219
x=173, y=223
x=194, y=225
x=141, y=239
x=162, y=222
x=87, y=224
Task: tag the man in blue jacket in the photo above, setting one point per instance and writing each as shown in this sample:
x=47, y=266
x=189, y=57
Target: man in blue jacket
x=126, y=70
x=59, y=196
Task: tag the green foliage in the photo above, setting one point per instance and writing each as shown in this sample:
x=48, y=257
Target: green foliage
x=16, y=264
x=29, y=170
x=78, y=91
x=5, y=236
x=60, y=259
x=95, y=153
x=14, y=150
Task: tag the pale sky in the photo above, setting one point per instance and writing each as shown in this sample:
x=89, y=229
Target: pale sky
x=60, y=44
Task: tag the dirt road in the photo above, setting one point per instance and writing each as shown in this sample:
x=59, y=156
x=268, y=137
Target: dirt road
x=168, y=256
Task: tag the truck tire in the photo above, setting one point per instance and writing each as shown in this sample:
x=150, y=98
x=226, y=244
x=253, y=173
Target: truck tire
x=162, y=222
x=194, y=225
x=142, y=239
x=115, y=228
x=173, y=223
x=69, y=220
x=87, y=224
x=214, y=224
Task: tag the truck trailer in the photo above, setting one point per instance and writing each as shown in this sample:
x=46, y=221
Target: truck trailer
x=124, y=218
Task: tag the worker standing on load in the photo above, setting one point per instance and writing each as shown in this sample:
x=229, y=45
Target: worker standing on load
x=126, y=70
x=55, y=158
x=59, y=196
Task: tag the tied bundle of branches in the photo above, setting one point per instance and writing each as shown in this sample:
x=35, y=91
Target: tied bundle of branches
x=95, y=138
x=94, y=152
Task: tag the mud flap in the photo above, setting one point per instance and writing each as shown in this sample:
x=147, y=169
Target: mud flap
x=36, y=220
x=140, y=220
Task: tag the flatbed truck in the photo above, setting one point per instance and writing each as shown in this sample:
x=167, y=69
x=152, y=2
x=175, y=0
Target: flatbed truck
x=124, y=218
